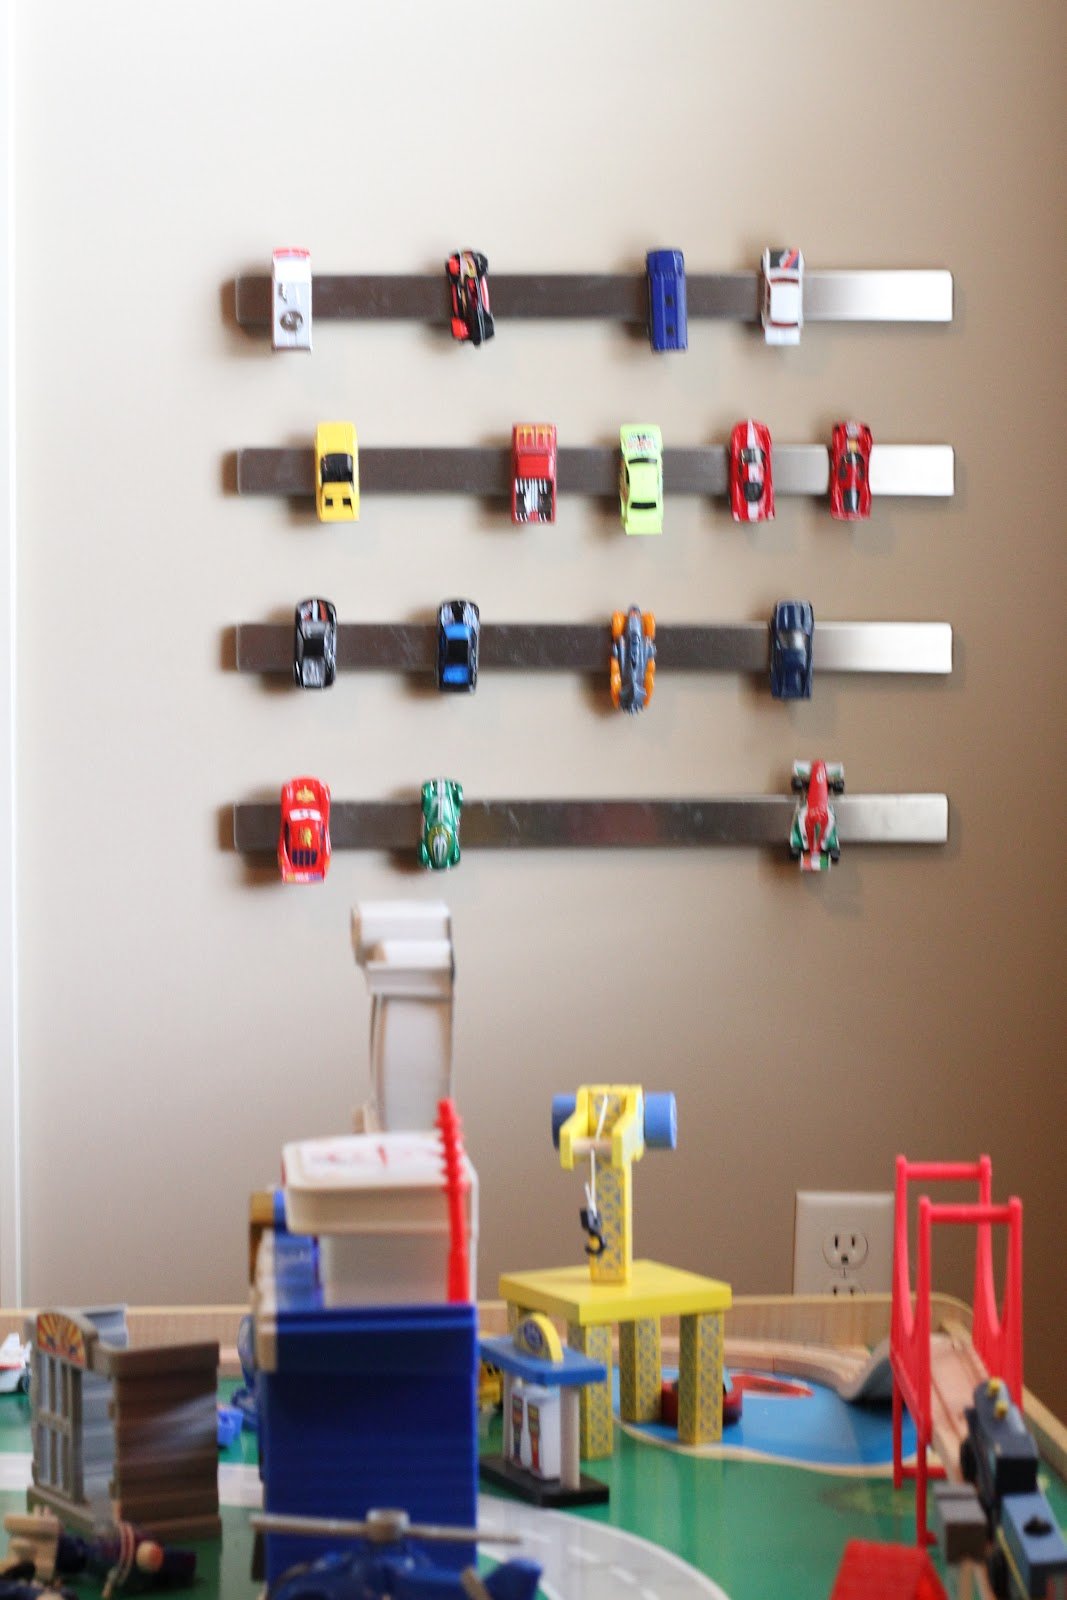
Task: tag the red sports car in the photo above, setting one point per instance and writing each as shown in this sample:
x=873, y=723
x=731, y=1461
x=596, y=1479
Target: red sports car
x=850, y=471
x=304, y=836
x=751, y=478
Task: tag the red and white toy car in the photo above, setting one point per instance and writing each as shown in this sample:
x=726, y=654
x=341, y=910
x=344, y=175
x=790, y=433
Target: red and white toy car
x=751, y=477
x=850, y=471
x=533, y=472
x=304, y=835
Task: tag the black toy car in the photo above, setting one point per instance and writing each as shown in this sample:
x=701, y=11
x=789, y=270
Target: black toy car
x=315, y=644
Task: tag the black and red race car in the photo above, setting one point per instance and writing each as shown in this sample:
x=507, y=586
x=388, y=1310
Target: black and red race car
x=468, y=280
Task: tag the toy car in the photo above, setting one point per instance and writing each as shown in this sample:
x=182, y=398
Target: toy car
x=668, y=326
x=386, y=1564
x=813, y=836
x=458, y=627
x=782, y=300
x=792, y=636
x=641, y=478
x=304, y=836
x=336, y=472
x=315, y=644
x=291, y=299
x=472, y=321
x=850, y=471
x=442, y=802
x=751, y=473
x=633, y=659
x=533, y=472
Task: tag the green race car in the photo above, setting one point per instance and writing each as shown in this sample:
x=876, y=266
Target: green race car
x=641, y=477
x=442, y=802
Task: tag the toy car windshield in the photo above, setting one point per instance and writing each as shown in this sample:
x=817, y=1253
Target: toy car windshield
x=792, y=639
x=337, y=468
x=457, y=646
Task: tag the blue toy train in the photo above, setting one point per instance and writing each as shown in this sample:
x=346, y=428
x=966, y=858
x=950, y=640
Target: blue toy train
x=999, y=1457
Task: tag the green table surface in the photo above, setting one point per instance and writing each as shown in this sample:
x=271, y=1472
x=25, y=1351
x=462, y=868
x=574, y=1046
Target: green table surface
x=748, y=1525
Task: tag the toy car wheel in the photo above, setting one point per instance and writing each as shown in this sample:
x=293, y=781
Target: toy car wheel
x=797, y=784
x=968, y=1461
x=997, y=1566
x=650, y=679
x=794, y=852
x=618, y=624
x=836, y=785
x=648, y=625
x=835, y=855
x=616, y=684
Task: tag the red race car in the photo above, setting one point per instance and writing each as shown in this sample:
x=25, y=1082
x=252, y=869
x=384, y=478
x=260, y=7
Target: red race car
x=850, y=471
x=751, y=478
x=304, y=836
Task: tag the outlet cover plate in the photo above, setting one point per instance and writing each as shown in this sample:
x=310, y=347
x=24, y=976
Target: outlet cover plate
x=843, y=1243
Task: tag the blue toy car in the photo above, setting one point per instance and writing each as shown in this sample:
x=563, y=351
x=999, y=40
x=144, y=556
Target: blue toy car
x=792, y=635
x=458, y=624
x=384, y=1564
x=668, y=327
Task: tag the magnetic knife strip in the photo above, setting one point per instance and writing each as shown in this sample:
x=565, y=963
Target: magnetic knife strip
x=905, y=647
x=896, y=469
x=394, y=825
x=859, y=296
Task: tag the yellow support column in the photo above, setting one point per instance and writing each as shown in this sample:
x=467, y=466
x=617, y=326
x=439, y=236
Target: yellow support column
x=700, y=1379
x=596, y=1426
x=639, y=1370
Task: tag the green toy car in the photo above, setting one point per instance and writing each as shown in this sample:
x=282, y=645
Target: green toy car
x=442, y=802
x=641, y=478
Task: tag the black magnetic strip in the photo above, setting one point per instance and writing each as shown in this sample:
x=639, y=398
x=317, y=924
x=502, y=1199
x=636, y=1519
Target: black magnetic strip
x=481, y=470
x=618, y=297
x=267, y=647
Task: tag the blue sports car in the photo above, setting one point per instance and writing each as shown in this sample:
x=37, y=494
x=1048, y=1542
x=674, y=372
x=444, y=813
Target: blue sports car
x=792, y=634
x=458, y=623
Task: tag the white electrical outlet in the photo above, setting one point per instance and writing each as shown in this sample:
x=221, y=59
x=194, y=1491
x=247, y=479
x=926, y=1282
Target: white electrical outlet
x=843, y=1243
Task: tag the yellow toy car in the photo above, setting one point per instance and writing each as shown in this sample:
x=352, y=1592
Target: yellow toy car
x=336, y=472
x=641, y=478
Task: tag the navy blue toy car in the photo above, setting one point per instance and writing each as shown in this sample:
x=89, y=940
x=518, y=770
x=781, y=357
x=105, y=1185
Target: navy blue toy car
x=668, y=325
x=315, y=644
x=792, y=634
x=458, y=624
x=386, y=1565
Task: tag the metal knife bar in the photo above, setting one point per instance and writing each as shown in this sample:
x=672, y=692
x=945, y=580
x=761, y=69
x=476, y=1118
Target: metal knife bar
x=879, y=296
x=898, y=469
x=608, y=824
x=916, y=647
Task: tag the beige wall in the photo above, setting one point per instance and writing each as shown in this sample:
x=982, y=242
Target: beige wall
x=181, y=1015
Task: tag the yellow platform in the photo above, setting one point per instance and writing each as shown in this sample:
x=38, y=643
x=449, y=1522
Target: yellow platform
x=591, y=1309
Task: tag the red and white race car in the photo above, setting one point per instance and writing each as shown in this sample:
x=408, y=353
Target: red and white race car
x=304, y=835
x=751, y=477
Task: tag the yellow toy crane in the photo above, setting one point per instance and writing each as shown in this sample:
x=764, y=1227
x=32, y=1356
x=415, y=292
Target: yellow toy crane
x=613, y=1124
